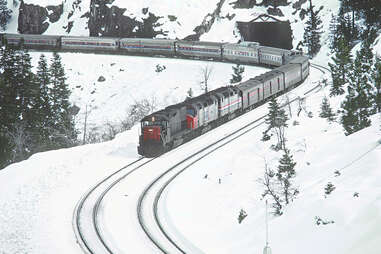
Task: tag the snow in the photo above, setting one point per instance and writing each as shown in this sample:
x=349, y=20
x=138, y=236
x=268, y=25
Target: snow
x=38, y=195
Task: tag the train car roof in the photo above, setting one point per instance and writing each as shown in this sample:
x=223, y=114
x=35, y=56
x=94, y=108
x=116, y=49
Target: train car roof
x=88, y=38
x=274, y=50
x=248, y=84
x=266, y=76
x=240, y=46
x=32, y=36
x=286, y=67
x=147, y=39
x=299, y=59
x=206, y=43
x=161, y=114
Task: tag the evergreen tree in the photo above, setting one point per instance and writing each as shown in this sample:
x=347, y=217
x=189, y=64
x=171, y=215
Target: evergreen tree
x=357, y=106
x=237, y=74
x=333, y=35
x=5, y=146
x=346, y=25
x=41, y=106
x=376, y=77
x=62, y=121
x=5, y=14
x=312, y=31
x=277, y=122
x=285, y=174
x=17, y=91
x=326, y=111
x=329, y=188
x=339, y=68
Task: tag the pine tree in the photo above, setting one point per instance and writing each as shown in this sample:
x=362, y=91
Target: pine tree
x=333, y=35
x=357, y=106
x=237, y=74
x=326, y=111
x=339, y=68
x=5, y=14
x=277, y=122
x=312, y=31
x=285, y=174
x=62, y=121
x=41, y=105
x=376, y=77
x=329, y=188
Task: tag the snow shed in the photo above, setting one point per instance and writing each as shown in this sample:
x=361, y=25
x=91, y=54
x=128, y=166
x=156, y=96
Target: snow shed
x=268, y=31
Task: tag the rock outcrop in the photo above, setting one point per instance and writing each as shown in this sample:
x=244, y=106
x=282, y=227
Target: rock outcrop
x=33, y=18
x=110, y=21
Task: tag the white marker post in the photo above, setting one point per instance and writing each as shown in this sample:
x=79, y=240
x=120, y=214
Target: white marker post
x=267, y=249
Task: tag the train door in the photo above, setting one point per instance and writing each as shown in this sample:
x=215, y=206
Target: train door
x=259, y=96
x=248, y=99
x=271, y=88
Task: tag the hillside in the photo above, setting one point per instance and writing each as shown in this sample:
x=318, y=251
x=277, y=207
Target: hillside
x=38, y=195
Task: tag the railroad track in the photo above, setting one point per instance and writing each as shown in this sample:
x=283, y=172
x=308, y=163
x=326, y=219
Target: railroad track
x=149, y=200
x=322, y=68
x=85, y=215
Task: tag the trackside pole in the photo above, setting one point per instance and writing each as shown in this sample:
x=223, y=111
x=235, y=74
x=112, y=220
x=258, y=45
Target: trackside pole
x=267, y=249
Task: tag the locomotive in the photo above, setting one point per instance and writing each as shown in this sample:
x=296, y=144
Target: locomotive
x=170, y=127
x=177, y=124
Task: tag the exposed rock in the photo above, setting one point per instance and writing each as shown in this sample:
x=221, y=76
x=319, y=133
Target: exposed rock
x=33, y=18
x=110, y=21
x=298, y=5
x=56, y=12
x=74, y=110
x=101, y=79
x=244, y=4
x=275, y=12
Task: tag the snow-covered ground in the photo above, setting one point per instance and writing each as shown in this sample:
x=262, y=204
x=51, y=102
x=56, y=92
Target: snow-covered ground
x=38, y=196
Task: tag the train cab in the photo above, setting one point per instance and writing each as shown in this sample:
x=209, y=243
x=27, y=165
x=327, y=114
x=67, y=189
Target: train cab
x=153, y=133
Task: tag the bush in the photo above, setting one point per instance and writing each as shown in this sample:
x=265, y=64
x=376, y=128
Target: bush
x=242, y=215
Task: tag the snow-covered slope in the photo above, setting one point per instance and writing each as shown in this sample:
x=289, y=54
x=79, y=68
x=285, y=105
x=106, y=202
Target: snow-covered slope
x=38, y=196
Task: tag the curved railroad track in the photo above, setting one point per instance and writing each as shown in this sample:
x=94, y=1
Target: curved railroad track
x=86, y=212
x=149, y=200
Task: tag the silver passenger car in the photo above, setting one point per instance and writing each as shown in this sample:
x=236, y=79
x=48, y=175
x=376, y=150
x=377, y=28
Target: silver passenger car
x=273, y=56
x=33, y=40
x=240, y=53
x=148, y=46
x=90, y=43
x=199, y=49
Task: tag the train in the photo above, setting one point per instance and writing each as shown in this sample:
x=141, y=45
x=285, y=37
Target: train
x=168, y=128
x=246, y=53
x=174, y=125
